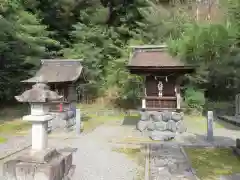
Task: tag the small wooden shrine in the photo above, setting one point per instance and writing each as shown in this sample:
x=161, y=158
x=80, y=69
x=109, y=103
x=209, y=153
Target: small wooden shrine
x=162, y=74
x=62, y=75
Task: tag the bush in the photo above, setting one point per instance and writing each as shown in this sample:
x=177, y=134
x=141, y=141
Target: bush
x=194, y=99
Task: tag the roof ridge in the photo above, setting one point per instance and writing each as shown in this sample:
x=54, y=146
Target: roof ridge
x=161, y=46
x=61, y=60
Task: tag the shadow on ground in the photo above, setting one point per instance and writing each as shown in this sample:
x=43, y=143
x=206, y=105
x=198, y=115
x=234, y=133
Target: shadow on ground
x=227, y=125
x=130, y=120
x=201, y=140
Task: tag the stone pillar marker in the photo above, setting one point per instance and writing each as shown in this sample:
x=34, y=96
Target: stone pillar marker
x=40, y=162
x=210, y=126
x=78, y=121
x=143, y=103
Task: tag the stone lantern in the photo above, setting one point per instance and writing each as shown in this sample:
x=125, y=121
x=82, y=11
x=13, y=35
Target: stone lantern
x=41, y=162
x=39, y=98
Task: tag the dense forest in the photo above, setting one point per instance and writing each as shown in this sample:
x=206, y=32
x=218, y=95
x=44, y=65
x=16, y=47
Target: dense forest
x=101, y=31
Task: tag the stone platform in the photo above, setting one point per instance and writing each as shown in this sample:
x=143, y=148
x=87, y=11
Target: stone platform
x=45, y=165
x=162, y=126
x=168, y=162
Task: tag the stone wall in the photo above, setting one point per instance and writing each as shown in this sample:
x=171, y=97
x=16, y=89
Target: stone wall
x=161, y=125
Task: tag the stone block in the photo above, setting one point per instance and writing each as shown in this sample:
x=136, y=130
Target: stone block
x=53, y=170
x=38, y=156
x=161, y=126
x=157, y=116
x=67, y=161
x=142, y=125
x=144, y=116
x=171, y=126
x=151, y=126
x=166, y=116
x=162, y=136
x=163, y=174
x=9, y=169
x=160, y=162
x=238, y=143
x=181, y=128
x=25, y=171
x=176, y=117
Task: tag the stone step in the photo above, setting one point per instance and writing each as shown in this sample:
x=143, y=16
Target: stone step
x=167, y=162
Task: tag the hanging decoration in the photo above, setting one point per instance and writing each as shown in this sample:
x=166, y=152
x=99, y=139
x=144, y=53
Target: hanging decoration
x=160, y=88
x=166, y=77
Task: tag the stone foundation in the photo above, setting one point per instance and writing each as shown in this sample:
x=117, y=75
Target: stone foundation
x=161, y=125
x=44, y=165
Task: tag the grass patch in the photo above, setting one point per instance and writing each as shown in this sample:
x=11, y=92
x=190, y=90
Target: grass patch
x=91, y=122
x=136, y=155
x=11, y=119
x=94, y=115
x=14, y=126
x=3, y=140
x=211, y=163
x=199, y=124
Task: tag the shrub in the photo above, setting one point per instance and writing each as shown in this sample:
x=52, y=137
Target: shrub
x=194, y=99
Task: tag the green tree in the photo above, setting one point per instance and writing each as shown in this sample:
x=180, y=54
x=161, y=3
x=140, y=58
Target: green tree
x=23, y=43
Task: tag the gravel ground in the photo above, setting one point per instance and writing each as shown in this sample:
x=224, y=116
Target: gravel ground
x=14, y=144
x=95, y=159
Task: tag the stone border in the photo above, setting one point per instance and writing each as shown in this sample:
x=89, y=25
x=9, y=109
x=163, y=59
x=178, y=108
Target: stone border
x=6, y=155
x=14, y=152
x=147, y=162
x=189, y=162
x=207, y=146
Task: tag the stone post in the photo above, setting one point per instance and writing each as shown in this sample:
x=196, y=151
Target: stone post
x=39, y=118
x=210, y=126
x=237, y=105
x=143, y=103
x=78, y=121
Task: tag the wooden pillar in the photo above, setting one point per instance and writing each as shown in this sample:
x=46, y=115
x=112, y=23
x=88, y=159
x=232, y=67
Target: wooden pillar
x=144, y=93
x=177, y=92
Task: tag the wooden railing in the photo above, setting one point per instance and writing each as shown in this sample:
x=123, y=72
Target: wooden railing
x=156, y=103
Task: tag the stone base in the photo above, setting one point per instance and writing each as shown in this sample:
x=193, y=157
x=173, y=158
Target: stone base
x=45, y=165
x=163, y=125
x=43, y=156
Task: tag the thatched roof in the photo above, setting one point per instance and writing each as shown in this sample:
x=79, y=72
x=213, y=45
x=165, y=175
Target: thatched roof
x=58, y=70
x=153, y=56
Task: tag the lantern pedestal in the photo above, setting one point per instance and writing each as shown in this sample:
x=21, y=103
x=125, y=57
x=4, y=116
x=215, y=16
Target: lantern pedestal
x=39, y=130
